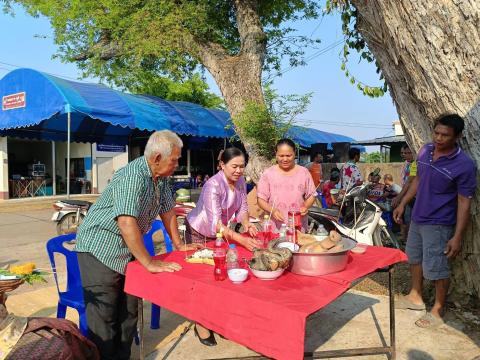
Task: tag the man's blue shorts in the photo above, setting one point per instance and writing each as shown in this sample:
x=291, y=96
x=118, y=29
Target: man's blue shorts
x=426, y=245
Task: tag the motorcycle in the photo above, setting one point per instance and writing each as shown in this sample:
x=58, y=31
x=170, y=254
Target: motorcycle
x=358, y=218
x=69, y=215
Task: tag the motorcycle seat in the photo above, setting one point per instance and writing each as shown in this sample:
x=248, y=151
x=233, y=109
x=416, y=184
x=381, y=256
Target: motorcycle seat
x=79, y=203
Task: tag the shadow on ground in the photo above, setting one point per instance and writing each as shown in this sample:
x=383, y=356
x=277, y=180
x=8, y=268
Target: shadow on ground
x=326, y=323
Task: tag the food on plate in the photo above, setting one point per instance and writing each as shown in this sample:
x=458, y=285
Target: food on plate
x=332, y=243
x=203, y=256
x=270, y=259
x=24, y=269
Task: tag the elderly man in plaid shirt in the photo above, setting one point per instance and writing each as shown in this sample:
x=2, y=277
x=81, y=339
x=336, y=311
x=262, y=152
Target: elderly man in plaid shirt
x=112, y=235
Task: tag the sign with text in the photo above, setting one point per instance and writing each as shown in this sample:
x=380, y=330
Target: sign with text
x=14, y=101
x=111, y=148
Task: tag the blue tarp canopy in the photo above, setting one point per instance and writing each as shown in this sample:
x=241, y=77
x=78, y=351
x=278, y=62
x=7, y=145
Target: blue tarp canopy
x=35, y=105
x=306, y=137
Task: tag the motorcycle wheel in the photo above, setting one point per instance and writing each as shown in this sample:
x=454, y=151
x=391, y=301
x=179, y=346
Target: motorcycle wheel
x=383, y=237
x=68, y=224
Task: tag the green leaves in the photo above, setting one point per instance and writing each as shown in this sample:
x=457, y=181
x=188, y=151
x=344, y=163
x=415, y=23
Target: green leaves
x=263, y=125
x=354, y=41
x=172, y=32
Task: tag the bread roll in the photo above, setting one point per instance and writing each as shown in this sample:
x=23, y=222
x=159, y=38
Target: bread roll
x=303, y=239
x=327, y=243
x=335, y=236
x=336, y=248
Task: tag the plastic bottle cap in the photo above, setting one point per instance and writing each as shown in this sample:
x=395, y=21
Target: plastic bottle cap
x=232, y=246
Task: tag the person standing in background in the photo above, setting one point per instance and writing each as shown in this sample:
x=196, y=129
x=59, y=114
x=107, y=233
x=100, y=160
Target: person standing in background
x=350, y=175
x=409, y=171
x=315, y=168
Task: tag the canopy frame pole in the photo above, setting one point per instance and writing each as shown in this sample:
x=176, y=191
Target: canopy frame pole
x=54, y=171
x=189, y=173
x=68, y=150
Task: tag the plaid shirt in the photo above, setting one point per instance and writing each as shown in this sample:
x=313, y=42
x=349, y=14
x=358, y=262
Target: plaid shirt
x=131, y=192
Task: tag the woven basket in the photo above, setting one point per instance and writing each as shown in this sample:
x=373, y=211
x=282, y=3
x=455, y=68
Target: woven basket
x=10, y=285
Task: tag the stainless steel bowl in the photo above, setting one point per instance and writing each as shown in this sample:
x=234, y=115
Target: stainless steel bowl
x=322, y=263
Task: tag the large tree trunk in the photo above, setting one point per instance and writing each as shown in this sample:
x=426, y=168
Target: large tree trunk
x=240, y=81
x=239, y=77
x=429, y=53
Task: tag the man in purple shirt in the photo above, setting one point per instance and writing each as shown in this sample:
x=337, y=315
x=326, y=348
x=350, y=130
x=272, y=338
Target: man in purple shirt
x=444, y=186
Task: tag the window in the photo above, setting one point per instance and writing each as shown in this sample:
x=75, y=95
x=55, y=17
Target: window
x=77, y=168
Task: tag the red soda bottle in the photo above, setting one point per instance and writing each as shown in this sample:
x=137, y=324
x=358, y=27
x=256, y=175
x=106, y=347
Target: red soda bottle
x=219, y=257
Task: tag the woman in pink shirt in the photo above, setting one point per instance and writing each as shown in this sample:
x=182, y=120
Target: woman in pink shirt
x=286, y=186
x=223, y=196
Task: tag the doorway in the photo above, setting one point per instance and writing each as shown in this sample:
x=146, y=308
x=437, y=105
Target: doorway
x=104, y=172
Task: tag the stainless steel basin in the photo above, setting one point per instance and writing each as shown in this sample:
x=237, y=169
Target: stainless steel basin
x=322, y=263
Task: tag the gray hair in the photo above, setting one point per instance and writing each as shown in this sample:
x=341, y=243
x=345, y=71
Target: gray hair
x=162, y=142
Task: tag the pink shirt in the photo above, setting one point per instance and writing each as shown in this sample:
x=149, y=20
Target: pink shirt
x=286, y=191
x=218, y=202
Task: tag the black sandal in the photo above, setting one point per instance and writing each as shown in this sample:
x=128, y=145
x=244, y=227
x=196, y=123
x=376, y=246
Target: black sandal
x=209, y=341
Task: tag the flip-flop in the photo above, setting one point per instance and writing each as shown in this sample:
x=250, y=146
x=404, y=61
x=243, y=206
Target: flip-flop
x=402, y=303
x=429, y=321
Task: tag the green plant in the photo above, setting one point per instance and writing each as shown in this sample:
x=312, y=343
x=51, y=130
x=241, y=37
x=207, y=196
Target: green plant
x=355, y=41
x=263, y=125
x=373, y=157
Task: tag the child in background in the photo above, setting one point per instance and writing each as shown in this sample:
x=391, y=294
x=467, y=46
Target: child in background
x=391, y=189
x=376, y=192
x=329, y=186
x=198, y=181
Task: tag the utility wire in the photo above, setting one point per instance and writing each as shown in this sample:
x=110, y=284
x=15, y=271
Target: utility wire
x=348, y=124
x=53, y=74
x=309, y=58
x=316, y=27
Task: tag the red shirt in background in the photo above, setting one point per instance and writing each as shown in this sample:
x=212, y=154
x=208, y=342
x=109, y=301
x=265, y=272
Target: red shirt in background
x=316, y=172
x=327, y=187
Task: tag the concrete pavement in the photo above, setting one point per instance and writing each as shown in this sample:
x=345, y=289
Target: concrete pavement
x=355, y=320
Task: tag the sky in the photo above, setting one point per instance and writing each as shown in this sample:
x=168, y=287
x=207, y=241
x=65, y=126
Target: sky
x=336, y=105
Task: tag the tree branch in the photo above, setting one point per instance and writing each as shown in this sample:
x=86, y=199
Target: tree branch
x=105, y=48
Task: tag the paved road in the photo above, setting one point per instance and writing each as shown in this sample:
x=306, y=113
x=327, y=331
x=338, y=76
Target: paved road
x=23, y=236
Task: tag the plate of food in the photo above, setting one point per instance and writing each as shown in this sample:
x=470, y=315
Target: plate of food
x=202, y=256
x=27, y=272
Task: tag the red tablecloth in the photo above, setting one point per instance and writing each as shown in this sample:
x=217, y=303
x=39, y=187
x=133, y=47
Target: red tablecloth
x=266, y=316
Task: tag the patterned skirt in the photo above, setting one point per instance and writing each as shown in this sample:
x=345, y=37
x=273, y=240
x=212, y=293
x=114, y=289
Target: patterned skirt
x=192, y=236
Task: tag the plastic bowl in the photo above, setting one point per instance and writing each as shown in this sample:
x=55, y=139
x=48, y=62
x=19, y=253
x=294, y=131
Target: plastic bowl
x=267, y=275
x=289, y=245
x=359, y=249
x=237, y=276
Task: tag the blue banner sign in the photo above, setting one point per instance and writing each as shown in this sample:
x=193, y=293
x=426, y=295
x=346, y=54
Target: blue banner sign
x=111, y=148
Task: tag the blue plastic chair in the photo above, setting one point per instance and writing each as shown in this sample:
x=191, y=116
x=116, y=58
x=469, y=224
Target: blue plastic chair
x=148, y=241
x=73, y=296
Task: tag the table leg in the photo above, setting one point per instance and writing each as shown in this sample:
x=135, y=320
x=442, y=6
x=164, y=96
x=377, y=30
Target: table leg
x=387, y=350
x=140, y=328
x=391, y=283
